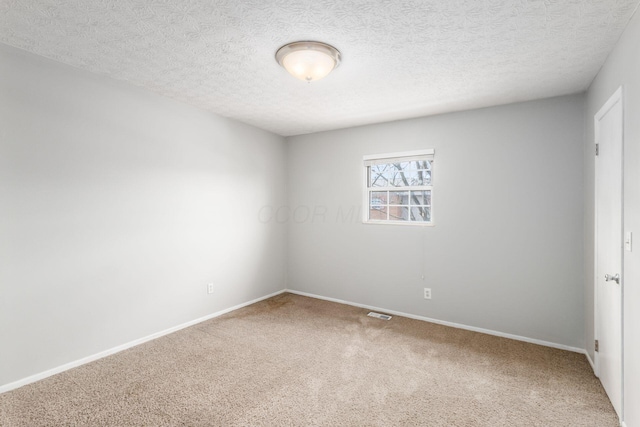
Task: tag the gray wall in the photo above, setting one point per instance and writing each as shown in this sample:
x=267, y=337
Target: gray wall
x=505, y=253
x=622, y=68
x=117, y=207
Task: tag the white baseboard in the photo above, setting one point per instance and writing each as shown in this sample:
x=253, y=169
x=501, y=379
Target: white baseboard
x=33, y=378
x=445, y=323
x=42, y=375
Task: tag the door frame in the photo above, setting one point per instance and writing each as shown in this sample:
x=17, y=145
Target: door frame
x=613, y=99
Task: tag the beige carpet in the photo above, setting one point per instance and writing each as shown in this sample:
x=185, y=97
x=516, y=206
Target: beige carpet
x=296, y=361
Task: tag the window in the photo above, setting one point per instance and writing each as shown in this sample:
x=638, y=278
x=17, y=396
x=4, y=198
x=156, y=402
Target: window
x=399, y=188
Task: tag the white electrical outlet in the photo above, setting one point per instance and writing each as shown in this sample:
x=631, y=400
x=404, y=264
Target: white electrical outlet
x=210, y=288
x=427, y=293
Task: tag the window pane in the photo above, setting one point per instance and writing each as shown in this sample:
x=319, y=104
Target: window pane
x=378, y=199
x=420, y=213
x=398, y=197
x=424, y=177
x=379, y=214
x=400, y=174
x=421, y=197
x=408, y=178
x=378, y=176
x=400, y=189
x=399, y=213
x=393, y=179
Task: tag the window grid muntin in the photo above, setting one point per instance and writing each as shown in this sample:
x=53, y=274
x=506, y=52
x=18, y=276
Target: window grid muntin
x=424, y=191
x=386, y=203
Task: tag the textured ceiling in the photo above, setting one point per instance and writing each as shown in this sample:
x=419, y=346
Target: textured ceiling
x=401, y=58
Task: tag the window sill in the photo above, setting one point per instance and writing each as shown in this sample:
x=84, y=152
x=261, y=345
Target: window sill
x=402, y=223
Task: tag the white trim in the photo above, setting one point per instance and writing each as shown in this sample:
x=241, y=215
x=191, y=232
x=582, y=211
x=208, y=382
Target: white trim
x=443, y=322
x=370, y=160
x=42, y=375
x=615, y=98
x=596, y=359
x=403, y=223
x=37, y=377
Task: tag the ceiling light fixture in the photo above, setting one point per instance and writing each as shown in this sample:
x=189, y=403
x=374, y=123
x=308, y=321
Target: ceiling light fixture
x=308, y=60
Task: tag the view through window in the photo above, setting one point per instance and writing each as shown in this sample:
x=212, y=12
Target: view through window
x=399, y=188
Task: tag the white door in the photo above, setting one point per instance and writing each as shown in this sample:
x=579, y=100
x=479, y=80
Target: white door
x=608, y=248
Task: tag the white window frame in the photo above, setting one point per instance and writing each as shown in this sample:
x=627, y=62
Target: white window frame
x=369, y=160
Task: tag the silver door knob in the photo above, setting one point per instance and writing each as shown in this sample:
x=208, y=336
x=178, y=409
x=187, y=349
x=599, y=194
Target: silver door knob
x=608, y=278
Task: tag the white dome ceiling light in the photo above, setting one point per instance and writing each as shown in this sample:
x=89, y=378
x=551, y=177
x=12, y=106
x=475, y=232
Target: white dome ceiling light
x=308, y=60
